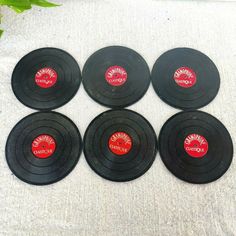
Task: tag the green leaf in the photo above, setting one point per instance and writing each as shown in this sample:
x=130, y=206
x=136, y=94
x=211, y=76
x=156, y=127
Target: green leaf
x=16, y=3
x=43, y=3
x=1, y=32
x=19, y=9
x=21, y=5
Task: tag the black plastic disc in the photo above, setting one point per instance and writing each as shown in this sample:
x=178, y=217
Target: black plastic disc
x=195, y=147
x=43, y=148
x=116, y=76
x=185, y=78
x=46, y=79
x=120, y=145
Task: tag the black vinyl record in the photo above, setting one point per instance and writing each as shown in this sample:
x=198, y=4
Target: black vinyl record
x=43, y=148
x=46, y=79
x=116, y=76
x=185, y=78
x=120, y=145
x=195, y=147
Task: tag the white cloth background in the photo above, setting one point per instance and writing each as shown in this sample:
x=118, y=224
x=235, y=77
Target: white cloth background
x=83, y=203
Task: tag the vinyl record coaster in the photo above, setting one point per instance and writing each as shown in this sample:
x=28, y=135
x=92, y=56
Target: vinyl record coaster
x=120, y=145
x=195, y=147
x=46, y=79
x=43, y=148
x=185, y=78
x=116, y=76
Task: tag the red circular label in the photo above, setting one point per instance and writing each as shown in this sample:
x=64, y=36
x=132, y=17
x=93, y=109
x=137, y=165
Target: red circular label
x=46, y=77
x=185, y=77
x=196, y=145
x=116, y=75
x=43, y=146
x=120, y=143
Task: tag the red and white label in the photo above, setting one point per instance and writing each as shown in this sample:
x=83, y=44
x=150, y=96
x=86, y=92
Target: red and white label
x=46, y=77
x=196, y=145
x=116, y=75
x=120, y=143
x=185, y=77
x=43, y=146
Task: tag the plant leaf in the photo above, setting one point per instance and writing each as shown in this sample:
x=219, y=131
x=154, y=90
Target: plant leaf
x=16, y=3
x=1, y=32
x=43, y=3
x=21, y=5
x=19, y=9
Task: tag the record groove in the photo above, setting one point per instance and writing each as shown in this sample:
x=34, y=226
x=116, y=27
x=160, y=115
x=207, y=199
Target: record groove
x=46, y=79
x=120, y=145
x=185, y=78
x=116, y=76
x=43, y=148
x=195, y=147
